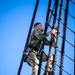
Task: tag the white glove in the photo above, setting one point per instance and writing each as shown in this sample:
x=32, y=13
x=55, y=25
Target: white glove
x=54, y=31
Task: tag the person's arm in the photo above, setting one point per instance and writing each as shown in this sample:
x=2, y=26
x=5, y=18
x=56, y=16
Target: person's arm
x=48, y=33
x=53, y=31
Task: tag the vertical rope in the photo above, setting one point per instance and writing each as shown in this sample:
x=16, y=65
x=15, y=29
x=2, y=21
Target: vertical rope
x=54, y=20
x=46, y=26
x=51, y=13
x=64, y=37
x=59, y=20
x=47, y=17
x=32, y=21
x=55, y=13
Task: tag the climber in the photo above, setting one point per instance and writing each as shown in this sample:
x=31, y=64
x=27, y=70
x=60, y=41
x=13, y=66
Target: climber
x=34, y=44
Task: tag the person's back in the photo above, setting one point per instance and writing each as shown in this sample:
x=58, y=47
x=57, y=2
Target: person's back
x=35, y=39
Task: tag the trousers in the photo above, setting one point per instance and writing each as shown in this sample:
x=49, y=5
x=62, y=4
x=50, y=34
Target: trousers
x=33, y=60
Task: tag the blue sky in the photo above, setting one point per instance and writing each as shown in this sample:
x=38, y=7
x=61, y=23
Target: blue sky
x=15, y=19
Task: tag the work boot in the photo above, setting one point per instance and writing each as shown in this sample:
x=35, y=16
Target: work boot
x=51, y=73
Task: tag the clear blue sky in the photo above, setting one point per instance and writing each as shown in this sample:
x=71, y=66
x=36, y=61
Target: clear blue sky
x=15, y=19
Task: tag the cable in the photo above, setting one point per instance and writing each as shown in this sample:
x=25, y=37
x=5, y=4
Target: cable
x=33, y=18
x=62, y=37
x=67, y=27
x=72, y=2
x=60, y=13
x=58, y=19
x=42, y=48
x=46, y=26
x=44, y=69
x=61, y=22
x=60, y=52
x=67, y=41
x=21, y=64
x=53, y=25
x=51, y=14
x=55, y=13
x=66, y=56
x=64, y=70
x=68, y=12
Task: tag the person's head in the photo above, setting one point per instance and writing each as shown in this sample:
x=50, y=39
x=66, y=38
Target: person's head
x=38, y=25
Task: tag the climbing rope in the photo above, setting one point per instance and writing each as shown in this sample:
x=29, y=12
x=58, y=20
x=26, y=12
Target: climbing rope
x=54, y=21
x=51, y=14
x=67, y=56
x=63, y=70
x=64, y=37
x=33, y=18
x=69, y=43
x=72, y=2
x=68, y=12
x=44, y=69
x=59, y=20
x=47, y=23
x=66, y=27
x=42, y=48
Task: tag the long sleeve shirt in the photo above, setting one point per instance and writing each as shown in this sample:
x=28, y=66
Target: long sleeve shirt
x=36, y=38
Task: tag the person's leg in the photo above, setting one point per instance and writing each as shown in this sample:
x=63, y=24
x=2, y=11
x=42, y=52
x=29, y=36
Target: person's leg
x=49, y=65
x=46, y=56
x=33, y=61
x=50, y=62
x=35, y=68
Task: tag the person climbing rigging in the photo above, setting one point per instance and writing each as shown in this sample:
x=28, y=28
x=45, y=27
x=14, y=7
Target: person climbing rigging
x=32, y=54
